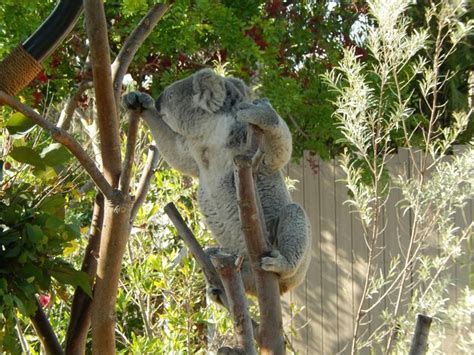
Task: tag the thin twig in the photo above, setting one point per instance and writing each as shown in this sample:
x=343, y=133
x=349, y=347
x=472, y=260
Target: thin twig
x=67, y=113
x=61, y=136
x=145, y=180
x=132, y=43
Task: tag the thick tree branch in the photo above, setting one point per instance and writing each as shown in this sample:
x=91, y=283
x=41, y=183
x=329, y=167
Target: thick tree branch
x=201, y=257
x=107, y=116
x=145, y=180
x=79, y=320
x=133, y=119
x=132, y=43
x=61, y=136
x=271, y=339
x=45, y=332
x=228, y=270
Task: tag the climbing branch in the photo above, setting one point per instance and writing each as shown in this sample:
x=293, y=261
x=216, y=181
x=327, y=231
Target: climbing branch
x=61, y=136
x=228, y=268
x=271, y=339
x=133, y=119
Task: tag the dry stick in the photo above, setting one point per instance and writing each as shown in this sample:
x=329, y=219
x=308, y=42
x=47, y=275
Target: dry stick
x=271, y=339
x=61, y=136
x=132, y=43
x=225, y=265
x=201, y=257
x=419, y=344
x=45, y=332
x=79, y=320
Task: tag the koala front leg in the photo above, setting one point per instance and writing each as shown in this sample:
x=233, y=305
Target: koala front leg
x=292, y=253
x=171, y=145
x=277, y=142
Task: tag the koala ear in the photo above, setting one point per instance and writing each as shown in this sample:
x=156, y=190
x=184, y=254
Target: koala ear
x=209, y=90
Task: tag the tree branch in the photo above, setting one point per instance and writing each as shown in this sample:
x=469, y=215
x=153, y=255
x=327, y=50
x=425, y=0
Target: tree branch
x=419, y=344
x=271, y=339
x=225, y=265
x=145, y=180
x=45, y=332
x=107, y=116
x=67, y=113
x=61, y=136
x=133, y=119
x=201, y=257
x=79, y=320
x=132, y=43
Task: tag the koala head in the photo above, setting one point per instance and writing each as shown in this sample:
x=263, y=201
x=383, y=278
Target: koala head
x=190, y=105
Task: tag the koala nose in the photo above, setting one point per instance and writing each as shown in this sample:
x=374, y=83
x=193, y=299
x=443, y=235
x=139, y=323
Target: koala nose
x=158, y=103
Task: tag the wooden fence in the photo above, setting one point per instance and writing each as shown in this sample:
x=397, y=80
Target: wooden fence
x=324, y=306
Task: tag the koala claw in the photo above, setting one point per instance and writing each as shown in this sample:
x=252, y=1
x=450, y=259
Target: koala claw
x=138, y=100
x=275, y=263
x=259, y=113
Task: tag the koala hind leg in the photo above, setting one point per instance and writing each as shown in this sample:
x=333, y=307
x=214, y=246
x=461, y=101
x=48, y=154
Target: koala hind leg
x=290, y=259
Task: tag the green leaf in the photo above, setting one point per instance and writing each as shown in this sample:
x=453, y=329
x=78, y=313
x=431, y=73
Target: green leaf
x=55, y=154
x=66, y=274
x=19, y=124
x=53, y=205
x=28, y=156
x=34, y=233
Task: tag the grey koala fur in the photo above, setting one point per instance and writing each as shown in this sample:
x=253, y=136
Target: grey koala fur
x=200, y=124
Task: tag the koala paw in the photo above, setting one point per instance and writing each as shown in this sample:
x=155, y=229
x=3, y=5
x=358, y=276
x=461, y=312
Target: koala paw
x=275, y=263
x=138, y=101
x=259, y=113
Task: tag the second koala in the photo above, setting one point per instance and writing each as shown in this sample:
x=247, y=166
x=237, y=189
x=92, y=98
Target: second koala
x=200, y=124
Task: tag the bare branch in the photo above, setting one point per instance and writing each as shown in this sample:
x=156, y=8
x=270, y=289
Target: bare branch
x=45, y=332
x=107, y=116
x=271, y=339
x=201, y=257
x=133, y=119
x=67, y=113
x=61, y=136
x=145, y=180
x=132, y=43
x=225, y=265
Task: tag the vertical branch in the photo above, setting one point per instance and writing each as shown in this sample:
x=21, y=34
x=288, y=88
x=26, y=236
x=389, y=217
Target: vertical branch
x=96, y=27
x=234, y=289
x=45, y=332
x=419, y=344
x=81, y=304
x=133, y=118
x=270, y=336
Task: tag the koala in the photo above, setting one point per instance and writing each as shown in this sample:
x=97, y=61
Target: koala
x=200, y=124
